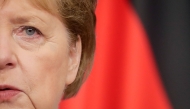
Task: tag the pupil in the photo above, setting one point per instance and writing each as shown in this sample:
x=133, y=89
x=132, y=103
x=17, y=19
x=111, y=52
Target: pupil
x=30, y=31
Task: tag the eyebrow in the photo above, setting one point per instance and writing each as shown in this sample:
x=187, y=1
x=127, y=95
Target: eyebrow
x=19, y=20
x=26, y=19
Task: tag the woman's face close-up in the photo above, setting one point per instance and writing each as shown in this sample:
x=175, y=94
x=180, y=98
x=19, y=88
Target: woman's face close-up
x=37, y=59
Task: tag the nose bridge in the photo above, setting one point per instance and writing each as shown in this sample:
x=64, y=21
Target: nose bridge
x=4, y=44
x=7, y=57
x=6, y=53
x=4, y=36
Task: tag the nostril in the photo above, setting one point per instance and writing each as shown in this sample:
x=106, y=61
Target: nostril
x=9, y=64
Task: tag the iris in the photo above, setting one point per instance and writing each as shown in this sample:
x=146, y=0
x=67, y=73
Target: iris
x=30, y=31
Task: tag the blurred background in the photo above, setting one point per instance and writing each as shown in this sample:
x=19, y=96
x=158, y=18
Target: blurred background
x=142, y=58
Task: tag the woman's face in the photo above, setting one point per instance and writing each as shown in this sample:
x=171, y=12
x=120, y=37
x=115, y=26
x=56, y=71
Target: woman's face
x=36, y=58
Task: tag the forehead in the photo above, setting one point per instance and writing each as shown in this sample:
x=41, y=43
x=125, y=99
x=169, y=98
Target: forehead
x=48, y=5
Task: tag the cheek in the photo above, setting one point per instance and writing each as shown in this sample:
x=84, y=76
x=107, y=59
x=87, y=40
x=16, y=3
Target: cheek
x=45, y=75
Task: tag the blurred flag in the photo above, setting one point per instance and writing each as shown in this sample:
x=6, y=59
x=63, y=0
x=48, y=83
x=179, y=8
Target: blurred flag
x=125, y=75
x=167, y=23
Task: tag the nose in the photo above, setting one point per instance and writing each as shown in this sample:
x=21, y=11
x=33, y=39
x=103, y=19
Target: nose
x=7, y=59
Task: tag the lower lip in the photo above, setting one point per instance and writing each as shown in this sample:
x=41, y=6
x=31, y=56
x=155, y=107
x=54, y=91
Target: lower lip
x=7, y=95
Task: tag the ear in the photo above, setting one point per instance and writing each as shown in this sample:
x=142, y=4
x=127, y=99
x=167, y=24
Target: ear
x=74, y=60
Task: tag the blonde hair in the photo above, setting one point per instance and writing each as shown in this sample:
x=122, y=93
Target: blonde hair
x=79, y=17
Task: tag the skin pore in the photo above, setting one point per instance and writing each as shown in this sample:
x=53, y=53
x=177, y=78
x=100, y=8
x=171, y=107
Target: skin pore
x=36, y=56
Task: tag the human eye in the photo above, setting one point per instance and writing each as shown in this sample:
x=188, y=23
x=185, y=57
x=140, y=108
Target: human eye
x=31, y=31
x=28, y=33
